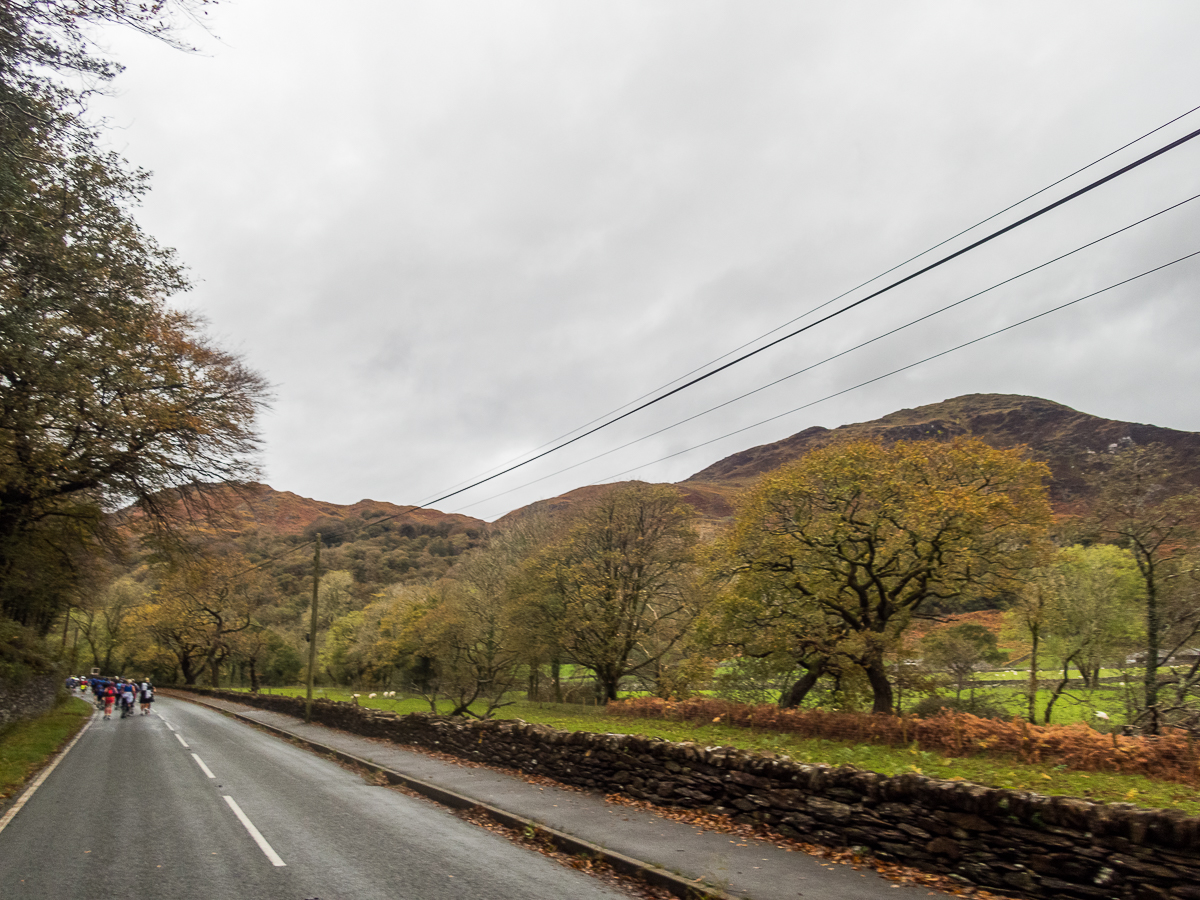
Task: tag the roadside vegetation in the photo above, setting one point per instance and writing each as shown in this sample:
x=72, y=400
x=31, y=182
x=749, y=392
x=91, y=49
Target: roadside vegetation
x=1005, y=770
x=845, y=581
x=25, y=747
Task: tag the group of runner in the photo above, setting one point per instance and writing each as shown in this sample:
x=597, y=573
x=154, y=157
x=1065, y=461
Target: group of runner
x=109, y=693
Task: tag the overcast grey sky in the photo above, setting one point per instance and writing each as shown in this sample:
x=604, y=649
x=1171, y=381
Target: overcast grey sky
x=450, y=232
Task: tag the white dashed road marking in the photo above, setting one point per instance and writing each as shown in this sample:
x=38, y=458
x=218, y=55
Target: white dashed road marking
x=207, y=771
x=254, y=832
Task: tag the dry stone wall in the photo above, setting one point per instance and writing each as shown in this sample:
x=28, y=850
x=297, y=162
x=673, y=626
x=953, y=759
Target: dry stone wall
x=29, y=698
x=1014, y=841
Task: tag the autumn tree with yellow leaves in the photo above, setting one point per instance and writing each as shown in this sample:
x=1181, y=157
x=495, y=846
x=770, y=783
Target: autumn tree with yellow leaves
x=202, y=607
x=834, y=555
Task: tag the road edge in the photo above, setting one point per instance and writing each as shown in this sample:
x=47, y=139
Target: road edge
x=19, y=801
x=625, y=865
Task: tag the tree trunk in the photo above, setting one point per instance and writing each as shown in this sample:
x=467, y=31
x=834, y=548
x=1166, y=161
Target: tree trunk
x=1034, y=633
x=881, y=688
x=1150, y=681
x=253, y=676
x=1062, y=684
x=556, y=675
x=794, y=696
x=607, y=685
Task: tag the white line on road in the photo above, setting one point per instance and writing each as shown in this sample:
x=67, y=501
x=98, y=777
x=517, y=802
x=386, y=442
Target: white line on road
x=16, y=807
x=179, y=738
x=254, y=832
x=200, y=763
x=168, y=724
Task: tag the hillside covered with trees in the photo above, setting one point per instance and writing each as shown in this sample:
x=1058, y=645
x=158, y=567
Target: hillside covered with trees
x=843, y=577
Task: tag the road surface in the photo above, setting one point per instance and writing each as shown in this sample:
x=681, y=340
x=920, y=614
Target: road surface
x=187, y=803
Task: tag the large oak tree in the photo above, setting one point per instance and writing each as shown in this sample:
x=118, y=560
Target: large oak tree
x=833, y=555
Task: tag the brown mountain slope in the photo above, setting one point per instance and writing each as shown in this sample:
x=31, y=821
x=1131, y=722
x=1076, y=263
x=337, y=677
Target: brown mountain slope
x=259, y=506
x=712, y=503
x=1062, y=437
x=288, y=513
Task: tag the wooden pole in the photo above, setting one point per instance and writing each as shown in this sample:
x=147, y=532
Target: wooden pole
x=312, y=629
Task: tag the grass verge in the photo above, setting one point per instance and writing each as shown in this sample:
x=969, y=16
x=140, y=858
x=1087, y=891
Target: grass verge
x=993, y=770
x=27, y=746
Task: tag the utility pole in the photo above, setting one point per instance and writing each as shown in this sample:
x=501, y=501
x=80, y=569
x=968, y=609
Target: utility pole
x=312, y=629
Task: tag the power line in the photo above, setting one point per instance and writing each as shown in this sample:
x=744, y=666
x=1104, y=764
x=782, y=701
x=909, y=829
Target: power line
x=845, y=293
x=906, y=367
x=945, y=259
x=949, y=257
x=827, y=359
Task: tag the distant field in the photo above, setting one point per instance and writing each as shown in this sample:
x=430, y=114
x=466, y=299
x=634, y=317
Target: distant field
x=1072, y=705
x=1023, y=674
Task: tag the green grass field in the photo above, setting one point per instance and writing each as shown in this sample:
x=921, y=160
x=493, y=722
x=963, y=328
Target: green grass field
x=1022, y=674
x=997, y=771
x=1073, y=705
x=26, y=746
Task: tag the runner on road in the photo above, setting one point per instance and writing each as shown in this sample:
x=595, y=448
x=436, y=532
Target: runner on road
x=146, y=694
x=128, y=693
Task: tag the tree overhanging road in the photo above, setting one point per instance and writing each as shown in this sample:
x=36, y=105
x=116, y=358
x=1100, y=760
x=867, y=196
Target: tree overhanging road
x=132, y=812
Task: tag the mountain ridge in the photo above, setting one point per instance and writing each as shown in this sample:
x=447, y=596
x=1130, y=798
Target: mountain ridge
x=1057, y=434
x=1061, y=436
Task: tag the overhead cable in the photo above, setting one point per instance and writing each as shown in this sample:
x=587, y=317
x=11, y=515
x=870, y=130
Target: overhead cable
x=845, y=293
x=742, y=358
x=838, y=355
x=913, y=365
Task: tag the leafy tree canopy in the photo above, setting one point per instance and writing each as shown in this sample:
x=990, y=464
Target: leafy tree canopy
x=836, y=553
x=618, y=588
x=107, y=394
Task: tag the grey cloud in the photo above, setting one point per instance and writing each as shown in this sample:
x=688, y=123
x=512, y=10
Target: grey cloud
x=452, y=232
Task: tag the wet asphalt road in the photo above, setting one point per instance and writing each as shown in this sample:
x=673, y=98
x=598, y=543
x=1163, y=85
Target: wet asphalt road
x=132, y=813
